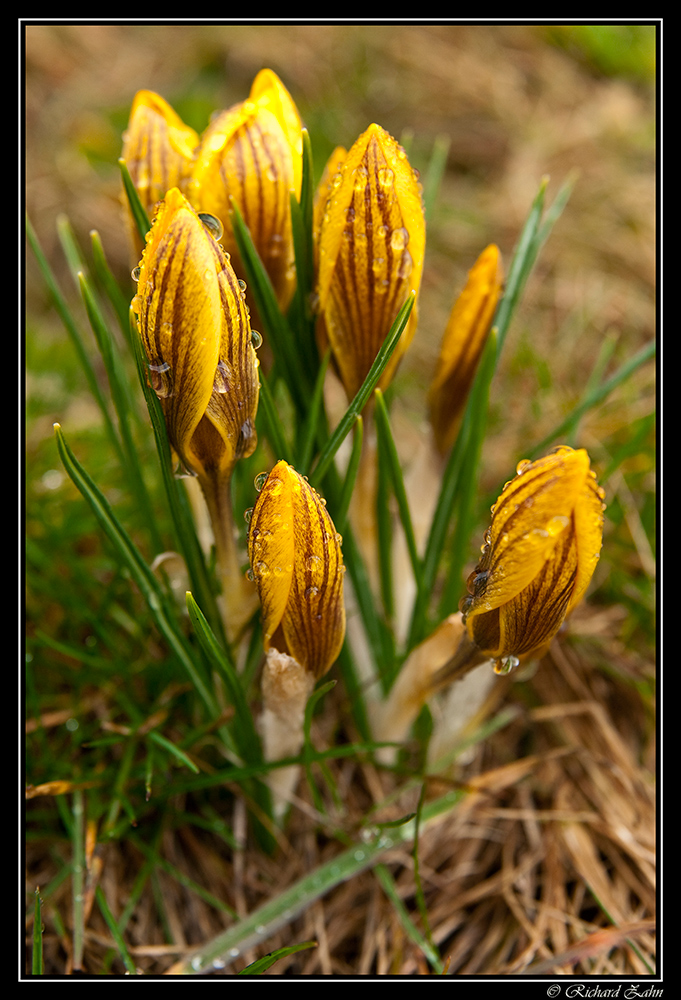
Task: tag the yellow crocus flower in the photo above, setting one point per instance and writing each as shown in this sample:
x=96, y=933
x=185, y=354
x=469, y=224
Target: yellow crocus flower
x=370, y=247
x=297, y=564
x=538, y=558
x=251, y=155
x=196, y=334
x=158, y=150
x=462, y=345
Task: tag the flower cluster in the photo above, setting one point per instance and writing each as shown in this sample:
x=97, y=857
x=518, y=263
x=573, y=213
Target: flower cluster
x=369, y=251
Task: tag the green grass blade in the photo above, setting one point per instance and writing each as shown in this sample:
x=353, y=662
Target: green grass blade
x=364, y=392
x=269, y=918
x=140, y=572
x=120, y=302
x=246, y=737
x=76, y=339
x=78, y=879
x=273, y=429
x=343, y=506
x=411, y=930
x=121, y=946
x=387, y=445
x=596, y=395
x=434, y=174
x=139, y=213
x=383, y=540
x=283, y=342
x=315, y=418
x=166, y=744
x=264, y=963
x=300, y=313
x=120, y=393
x=37, y=963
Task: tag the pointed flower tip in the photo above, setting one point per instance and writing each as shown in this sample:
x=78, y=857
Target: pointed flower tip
x=297, y=564
x=251, y=155
x=538, y=555
x=196, y=334
x=370, y=248
x=158, y=147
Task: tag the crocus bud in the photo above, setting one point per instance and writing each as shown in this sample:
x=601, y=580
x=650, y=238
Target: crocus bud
x=195, y=330
x=538, y=558
x=371, y=245
x=251, y=154
x=158, y=149
x=462, y=346
x=297, y=564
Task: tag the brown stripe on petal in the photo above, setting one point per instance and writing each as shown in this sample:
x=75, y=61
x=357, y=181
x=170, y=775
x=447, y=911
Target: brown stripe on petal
x=536, y=614
x=368, y=289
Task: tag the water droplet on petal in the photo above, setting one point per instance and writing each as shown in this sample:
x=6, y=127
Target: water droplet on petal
x=224, y=377
x=399, y=238
x=260, y=480
x=256, y=339
x=386, y=177
x=161, y=379
x=506, y=665
x=135, y=273
x=212, y=224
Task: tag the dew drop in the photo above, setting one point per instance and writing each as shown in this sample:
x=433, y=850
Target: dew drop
x=247, y=439
x=161, y=379
x=248, y=514
x=256, y=339
x=212, y=224
x=399, y=238
x=406, y=265
x=506, y=665
x=386, y=177
x=311, y=592
x=135, y=273
x=223, y=380
x=260, y=480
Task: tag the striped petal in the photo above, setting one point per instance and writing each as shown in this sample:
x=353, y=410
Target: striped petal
x=251, y=154
x=371, y=246
x=195, y=330
x=158, y=149
x=539, y=554
x=297, y=564
x=462, y=346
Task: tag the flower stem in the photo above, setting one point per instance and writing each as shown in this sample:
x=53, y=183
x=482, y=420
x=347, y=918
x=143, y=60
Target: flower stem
x=238, y=598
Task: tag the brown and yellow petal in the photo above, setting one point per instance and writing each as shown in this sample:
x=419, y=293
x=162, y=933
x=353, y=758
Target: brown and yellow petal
x=462, y=346
x=297, y=564
x=371, y=247
x=196, y=334
x=251, y=155
x=539, y=554
x=158, y=148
